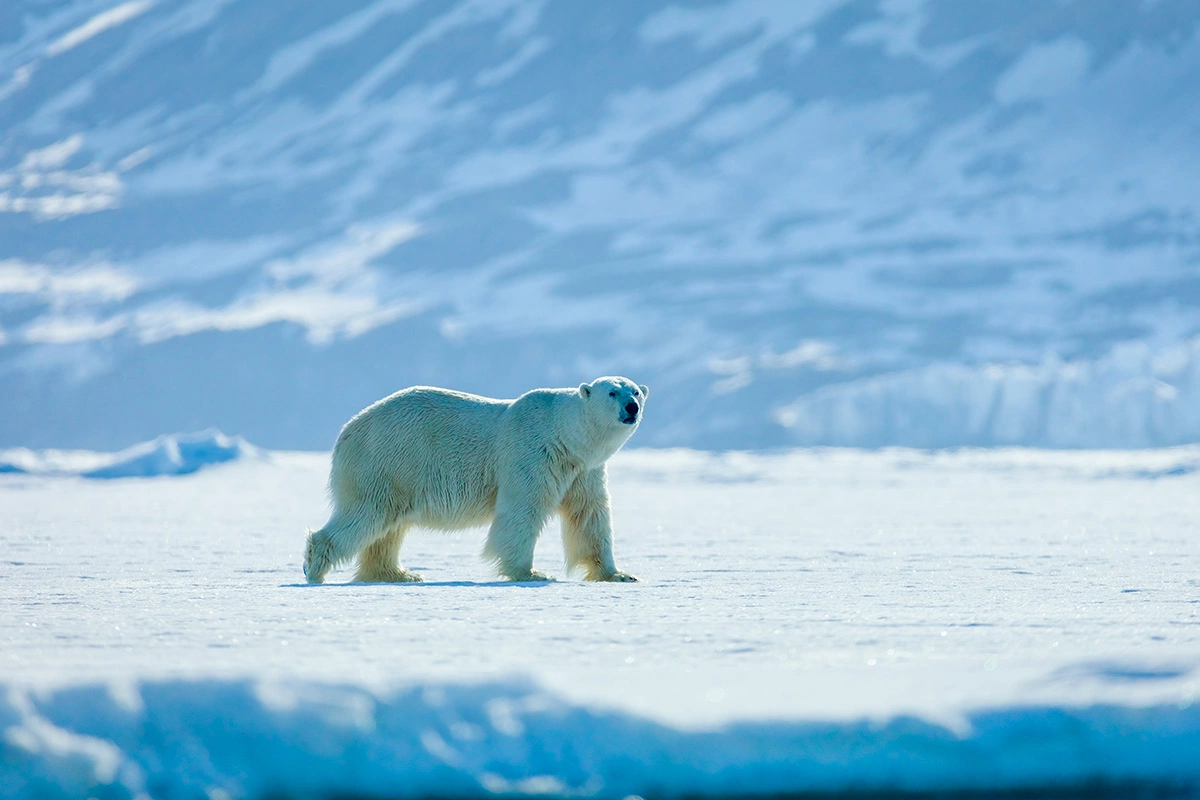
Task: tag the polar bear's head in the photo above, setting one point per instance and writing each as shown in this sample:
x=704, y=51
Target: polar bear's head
x=615, y=399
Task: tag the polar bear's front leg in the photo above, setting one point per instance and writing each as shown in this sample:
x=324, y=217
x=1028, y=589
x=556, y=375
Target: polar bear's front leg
x=520, y=516
x=587, y=528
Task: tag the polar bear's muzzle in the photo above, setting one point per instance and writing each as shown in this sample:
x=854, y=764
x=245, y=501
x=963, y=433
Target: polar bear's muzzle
x=631, y=413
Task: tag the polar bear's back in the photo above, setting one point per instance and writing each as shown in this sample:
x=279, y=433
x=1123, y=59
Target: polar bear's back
x=424, y=452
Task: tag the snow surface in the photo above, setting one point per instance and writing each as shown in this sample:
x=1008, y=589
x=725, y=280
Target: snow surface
x=818, y=619
x=262, y=217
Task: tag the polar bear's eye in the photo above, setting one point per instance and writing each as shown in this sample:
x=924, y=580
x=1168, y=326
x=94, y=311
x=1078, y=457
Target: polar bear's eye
x=612, y=394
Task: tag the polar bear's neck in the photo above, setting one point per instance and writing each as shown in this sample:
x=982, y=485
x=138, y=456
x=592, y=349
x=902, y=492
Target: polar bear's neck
x=593, y=441
x=560, y=418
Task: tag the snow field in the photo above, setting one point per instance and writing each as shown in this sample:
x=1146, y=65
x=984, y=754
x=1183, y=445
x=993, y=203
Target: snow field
x=814, y=619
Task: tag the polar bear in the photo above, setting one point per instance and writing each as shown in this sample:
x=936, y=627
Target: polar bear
x=443, y=459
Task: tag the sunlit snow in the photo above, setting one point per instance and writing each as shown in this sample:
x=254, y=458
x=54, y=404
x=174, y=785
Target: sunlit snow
x=819, y=619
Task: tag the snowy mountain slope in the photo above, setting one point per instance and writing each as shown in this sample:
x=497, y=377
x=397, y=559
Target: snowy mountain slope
x=262, y=216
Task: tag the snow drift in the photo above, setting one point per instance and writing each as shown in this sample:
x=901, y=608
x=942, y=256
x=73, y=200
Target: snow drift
x=173, y=454
x=241, y=739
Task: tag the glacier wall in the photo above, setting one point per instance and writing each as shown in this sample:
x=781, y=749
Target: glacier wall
x=1133, y=397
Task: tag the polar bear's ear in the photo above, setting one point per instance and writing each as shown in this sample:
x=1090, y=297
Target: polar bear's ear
x=585, y=389
x=645, y=390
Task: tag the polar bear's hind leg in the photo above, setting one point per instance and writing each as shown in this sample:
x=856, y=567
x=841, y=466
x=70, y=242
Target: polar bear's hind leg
x=346, y=533
x=318, y=558
x=379, y=562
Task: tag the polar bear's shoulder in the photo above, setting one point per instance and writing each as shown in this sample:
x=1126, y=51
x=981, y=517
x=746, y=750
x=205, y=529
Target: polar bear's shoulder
x=423, y=406
x=433, y=397
x=546, y=397
x=437, y=394
x=561, y=404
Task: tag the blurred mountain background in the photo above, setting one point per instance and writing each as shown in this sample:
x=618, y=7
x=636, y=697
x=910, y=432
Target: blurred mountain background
x=916, y=222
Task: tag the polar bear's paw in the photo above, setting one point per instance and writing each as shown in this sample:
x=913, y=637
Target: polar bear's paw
x=532, y=576
x=387, y=575
x=621, y=577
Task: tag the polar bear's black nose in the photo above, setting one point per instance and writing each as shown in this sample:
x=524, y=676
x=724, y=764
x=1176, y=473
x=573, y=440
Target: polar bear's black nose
x=631, y=408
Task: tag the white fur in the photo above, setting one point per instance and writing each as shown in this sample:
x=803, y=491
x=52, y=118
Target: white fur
x=441, y=459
